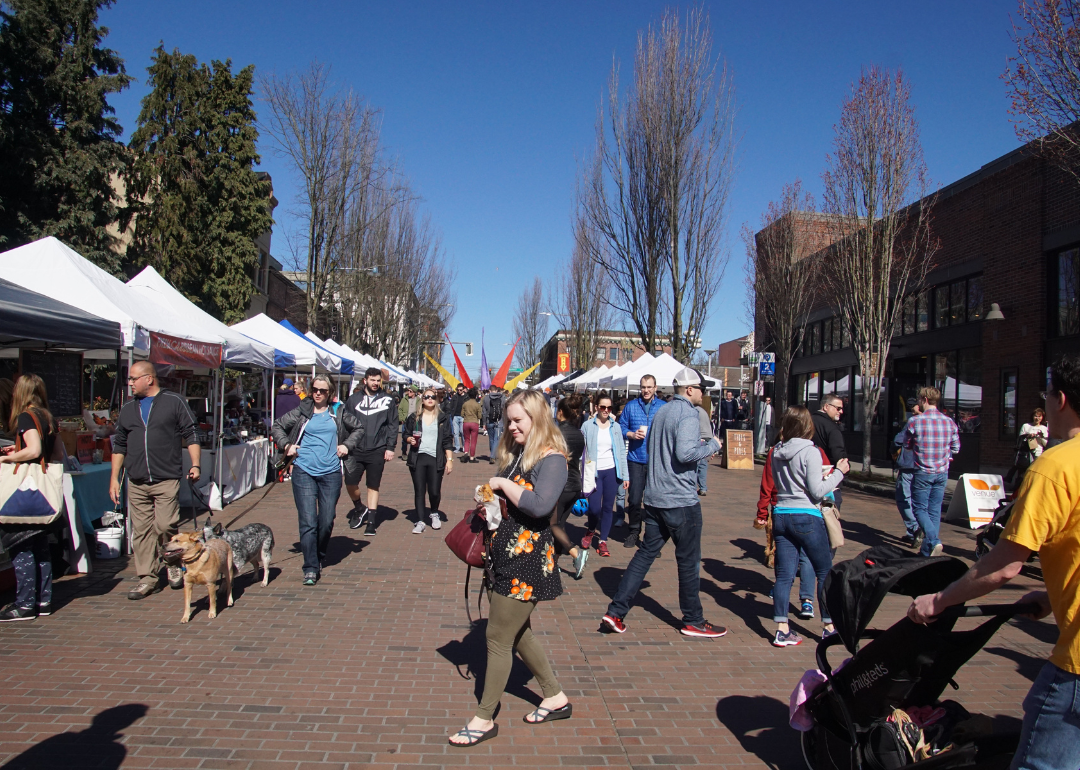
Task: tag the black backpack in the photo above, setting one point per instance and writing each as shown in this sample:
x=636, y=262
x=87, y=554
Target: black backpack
x=495, y=409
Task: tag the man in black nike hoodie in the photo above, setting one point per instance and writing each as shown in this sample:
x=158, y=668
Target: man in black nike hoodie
x=377, y=411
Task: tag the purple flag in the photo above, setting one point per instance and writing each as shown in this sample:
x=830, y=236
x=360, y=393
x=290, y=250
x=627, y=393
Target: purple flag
x=485, y=375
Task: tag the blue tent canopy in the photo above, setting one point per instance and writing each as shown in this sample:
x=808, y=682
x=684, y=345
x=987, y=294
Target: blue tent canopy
x=346, y=364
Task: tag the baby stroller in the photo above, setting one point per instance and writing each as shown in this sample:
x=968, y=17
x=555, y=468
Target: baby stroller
x=860, y=715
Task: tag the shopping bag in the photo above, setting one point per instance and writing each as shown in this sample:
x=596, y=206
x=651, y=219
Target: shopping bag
x=32, y=492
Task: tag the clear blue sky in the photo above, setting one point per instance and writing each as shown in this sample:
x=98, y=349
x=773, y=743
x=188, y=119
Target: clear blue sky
x=489, y=107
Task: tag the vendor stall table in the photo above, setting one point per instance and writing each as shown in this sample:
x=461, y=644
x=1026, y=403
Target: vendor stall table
x=90, y=489
x=243, y=467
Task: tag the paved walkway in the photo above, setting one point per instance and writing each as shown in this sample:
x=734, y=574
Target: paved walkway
x=377, y=664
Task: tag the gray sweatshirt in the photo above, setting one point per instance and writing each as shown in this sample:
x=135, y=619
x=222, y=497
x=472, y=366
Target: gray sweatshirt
x=796, y=470
x=674, y=450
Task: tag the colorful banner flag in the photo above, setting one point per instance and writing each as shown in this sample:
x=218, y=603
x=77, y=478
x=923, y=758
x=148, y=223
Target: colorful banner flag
x=499, y=380
x=451, y=380
x=521, y=377
x=166, y=349
x=485, y=375
x=460, y=366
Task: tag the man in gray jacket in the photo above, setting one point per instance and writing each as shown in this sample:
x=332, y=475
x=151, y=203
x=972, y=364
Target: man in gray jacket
x=672, y=509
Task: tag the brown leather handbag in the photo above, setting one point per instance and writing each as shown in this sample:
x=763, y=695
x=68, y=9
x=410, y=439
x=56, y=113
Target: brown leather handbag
x=466, y=539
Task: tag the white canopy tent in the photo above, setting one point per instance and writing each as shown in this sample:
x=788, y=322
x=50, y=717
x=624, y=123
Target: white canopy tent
x=632, y=373
x=606, y=378
x=550, y=382
x=240, y=349
x=269, y=332
x=580, y=377
x=50, y=268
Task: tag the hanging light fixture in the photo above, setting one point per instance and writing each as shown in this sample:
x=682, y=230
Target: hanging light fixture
x=995, y=313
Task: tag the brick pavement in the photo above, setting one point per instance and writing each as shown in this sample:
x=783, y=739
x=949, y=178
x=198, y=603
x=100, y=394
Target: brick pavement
x=377, y=664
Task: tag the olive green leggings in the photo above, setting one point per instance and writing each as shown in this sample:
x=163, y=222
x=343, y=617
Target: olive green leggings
x=509, y=629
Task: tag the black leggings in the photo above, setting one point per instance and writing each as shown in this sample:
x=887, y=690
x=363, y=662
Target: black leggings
x=426, y=479
x=558, y=519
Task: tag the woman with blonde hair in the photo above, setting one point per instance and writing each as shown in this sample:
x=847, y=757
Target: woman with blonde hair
x=28, y=544
x=531, y=457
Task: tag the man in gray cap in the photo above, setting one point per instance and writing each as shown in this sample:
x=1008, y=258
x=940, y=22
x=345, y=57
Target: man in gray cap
x=672, y=508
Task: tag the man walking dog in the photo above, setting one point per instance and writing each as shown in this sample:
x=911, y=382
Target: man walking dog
x=150, y=430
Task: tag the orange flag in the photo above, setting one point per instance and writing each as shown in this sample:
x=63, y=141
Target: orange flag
x=499, y=380
x=460, y=366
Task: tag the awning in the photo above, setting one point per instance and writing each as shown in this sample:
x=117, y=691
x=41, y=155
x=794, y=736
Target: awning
x=305, y=353
x=345, y=365
x=29, y=318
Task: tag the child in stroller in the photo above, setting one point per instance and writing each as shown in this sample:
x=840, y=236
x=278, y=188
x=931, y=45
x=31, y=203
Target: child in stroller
x=881, y=709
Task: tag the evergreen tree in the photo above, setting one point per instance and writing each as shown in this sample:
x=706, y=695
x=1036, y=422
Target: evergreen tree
x=58, y=148
x=199, y=203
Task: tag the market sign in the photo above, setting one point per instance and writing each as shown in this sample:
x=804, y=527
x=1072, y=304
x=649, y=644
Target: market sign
x=975, y=499
x=166, y=350
x=564, y=363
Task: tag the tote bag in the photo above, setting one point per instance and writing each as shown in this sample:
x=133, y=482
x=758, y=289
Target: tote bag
x=33, y=492
x=588, y=472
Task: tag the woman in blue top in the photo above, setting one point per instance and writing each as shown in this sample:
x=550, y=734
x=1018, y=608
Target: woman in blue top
x=605, y=446
x=317, y=437
x=797, y=521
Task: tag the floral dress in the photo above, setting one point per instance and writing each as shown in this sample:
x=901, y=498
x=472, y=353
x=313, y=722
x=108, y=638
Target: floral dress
x=523, y=549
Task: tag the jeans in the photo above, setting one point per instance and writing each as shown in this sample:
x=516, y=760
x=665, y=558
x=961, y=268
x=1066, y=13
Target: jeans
x=471, y=431
x=458, y=424
x=1050, y=738
x=494, y=434
x=703, y=474
x=32, y=561
x=638, y=472
x=903, y=502
x=927, y=491
x=794, y=532
x=426, y=481
x=683, y=525
x=807, y=578
x=602, y=502
x=316, y=499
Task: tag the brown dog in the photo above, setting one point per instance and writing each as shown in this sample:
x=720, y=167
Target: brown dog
x=203, y=563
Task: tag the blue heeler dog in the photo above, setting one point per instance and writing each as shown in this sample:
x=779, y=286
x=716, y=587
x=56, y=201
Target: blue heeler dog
x=253, y=544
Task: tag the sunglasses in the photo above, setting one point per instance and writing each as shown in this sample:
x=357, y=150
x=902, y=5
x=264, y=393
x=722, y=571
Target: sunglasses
x=324, y=391
x=429, y=398
x=603, y=408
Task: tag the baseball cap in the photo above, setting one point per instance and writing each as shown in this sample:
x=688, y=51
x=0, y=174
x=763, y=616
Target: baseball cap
x=287, y=381
x=686, y=376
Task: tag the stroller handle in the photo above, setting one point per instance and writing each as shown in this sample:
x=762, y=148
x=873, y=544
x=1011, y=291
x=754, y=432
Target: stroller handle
x=993, y=610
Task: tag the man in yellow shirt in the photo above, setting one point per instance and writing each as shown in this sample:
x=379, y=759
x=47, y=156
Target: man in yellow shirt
x=1045, y=518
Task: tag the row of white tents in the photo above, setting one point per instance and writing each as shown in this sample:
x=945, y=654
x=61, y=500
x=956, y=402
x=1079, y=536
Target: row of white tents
x=626, y=376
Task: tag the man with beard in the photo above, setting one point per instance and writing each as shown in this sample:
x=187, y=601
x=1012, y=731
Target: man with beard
x=377, y=411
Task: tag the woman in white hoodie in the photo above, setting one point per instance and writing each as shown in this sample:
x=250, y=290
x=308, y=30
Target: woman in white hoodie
x=797, y=521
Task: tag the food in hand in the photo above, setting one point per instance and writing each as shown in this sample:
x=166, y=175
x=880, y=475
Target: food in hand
x=485, y=493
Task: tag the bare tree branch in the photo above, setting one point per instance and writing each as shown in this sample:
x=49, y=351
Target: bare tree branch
x=581, y=301
x=530, y=324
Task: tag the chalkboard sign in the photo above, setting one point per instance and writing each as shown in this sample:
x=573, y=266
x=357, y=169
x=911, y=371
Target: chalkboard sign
x=62, y=374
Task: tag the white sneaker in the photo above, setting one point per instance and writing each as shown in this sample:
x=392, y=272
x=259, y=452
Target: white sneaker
x=936, y=551
x=419, y=528
x=436, y=521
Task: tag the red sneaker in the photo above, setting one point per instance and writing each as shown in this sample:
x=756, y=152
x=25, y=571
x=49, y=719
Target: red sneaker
x=612, y=623
x=586, y=542
x=602, y=549
x=706, y=630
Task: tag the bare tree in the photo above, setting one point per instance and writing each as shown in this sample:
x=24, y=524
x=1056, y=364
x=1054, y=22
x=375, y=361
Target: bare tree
x=781, y=276
x=656, y=191
x=581, y=301
x=331, y=138
x=875, y=197
x=1044, y=79
x=530, y=324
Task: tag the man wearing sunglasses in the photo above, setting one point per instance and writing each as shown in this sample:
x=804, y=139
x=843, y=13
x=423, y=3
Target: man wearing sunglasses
x=828, y=435
x=377, y=412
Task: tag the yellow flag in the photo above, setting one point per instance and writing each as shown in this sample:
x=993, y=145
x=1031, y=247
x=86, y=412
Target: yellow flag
x=520, y=378
x=451, y=380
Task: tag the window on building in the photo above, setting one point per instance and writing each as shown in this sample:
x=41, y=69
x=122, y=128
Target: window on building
x=1068, y=293
x=845, y=339
x=815, y=339
x=799, y=395
x=922, y=313
x=812, y=392
x=909, y=314
x=837, y=334
x=601, y=354
x=941, y=306
x=945, y=381
x=613, y=354
x=974, y=298
x=826, y=335
x=969, y=390
x=958, y=303
x=1009, y=380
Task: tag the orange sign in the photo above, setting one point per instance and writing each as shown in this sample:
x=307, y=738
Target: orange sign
x=564, y=363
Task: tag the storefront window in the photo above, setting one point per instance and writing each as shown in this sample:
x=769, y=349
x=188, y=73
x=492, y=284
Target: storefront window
x=975, y=298
x=1068, y=276
x=800, y=389
x=812, y=401
x=922, y=316
x=828, y=383
x=945, y=381
x=826, y=336
x=1009, y=380
x=969, y=390
x=941, y=307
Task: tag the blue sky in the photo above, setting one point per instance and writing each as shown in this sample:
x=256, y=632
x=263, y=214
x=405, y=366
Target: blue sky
x=490, y=107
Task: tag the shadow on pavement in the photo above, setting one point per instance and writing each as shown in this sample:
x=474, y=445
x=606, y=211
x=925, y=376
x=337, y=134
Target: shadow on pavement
x=98, y=746
x=1028, y=666
x=341, y=547
x=469, y=656
x=607, y=578
x=751, y=606
x=760, y=724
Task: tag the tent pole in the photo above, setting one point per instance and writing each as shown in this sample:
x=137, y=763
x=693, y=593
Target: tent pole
x=221, y=437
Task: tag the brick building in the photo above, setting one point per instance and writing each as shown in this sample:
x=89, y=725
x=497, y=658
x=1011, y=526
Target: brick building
x=1009, y=235
x=615, y=348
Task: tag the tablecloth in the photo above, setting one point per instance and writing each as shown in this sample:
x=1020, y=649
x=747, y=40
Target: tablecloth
x=243, y=469
x=90, y=489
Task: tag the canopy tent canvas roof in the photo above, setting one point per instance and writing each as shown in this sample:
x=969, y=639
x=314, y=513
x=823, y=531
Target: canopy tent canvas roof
x=550, y=382
x=658, y=366
x=29, y=317
x=269, y=332
x=612, y=372
x=344, y=365
x=239, y=349
x=573, y=380
x=50, y=268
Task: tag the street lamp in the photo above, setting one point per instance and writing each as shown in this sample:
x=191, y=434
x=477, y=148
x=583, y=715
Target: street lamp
x=709, y=353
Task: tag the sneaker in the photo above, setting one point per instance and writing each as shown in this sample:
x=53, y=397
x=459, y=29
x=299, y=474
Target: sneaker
x=916, y=544
x=937, y=549
x=491, y=461
x=602, y=549
x=790, y=639
x=311, y=578
x=44, y=609
x=706, y=630
x=619, y=523
x=176, y=577
x=357, y=517
x=14, y=612
x=826, y=634
x=144, y=589
x=611, y=623
x=908, y=540
x=580, y=562
x=419, y=528
x=586, y=542
x=436, y=521
x=807, y=611
x=631, y=541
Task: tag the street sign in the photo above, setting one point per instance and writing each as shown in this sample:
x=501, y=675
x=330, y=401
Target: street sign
x=768, y=358
x=767, y=368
